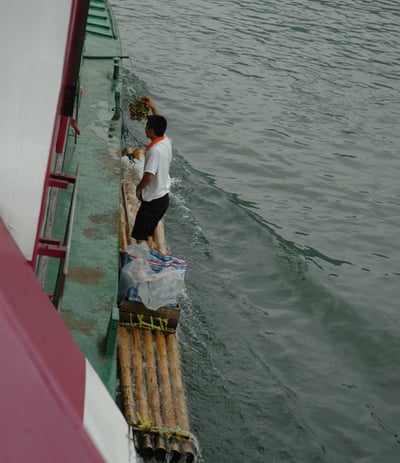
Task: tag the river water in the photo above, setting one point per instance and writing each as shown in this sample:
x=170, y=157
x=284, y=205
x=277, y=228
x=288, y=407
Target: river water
x=284, y=118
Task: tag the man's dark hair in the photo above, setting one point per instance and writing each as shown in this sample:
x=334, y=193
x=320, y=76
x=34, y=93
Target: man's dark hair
x=158, y=124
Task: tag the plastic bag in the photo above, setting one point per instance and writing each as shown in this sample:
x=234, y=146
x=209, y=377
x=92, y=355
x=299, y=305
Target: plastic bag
x=151, y=277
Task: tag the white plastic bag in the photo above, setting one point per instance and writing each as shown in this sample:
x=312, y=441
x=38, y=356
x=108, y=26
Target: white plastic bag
x=159, y=289
x=153, y=284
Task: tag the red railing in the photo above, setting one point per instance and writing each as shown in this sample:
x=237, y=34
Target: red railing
x=57, y=248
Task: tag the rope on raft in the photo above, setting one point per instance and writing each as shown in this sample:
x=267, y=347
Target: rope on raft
x=146, y=426
x=162, y=326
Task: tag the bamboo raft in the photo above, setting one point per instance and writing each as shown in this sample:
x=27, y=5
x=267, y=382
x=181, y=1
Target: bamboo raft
x=152, y=388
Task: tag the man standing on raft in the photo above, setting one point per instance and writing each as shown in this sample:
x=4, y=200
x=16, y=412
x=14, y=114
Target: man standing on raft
x=153, y=189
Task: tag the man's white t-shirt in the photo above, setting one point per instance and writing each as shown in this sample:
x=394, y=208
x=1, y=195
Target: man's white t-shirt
x=157, y=161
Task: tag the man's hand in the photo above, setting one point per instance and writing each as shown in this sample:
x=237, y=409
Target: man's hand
x=147, y=101
x=146, y=179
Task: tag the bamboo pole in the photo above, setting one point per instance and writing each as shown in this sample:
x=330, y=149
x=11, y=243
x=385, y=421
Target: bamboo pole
x=122, y=230
x=126, y=377
x=142, y=403
x=179, y=393
x=124, y=354
x=128, y=233
x=166, y=392
x=153, y=391
x=126, y=205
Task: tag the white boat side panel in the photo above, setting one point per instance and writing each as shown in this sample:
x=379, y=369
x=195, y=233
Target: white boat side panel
x=33, y=35
x=104, y=422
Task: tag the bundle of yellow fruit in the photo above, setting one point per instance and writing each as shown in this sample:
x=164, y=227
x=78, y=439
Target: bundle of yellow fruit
x=138, y=110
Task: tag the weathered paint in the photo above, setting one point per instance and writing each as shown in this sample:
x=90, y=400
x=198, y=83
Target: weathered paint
x=92, y=279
